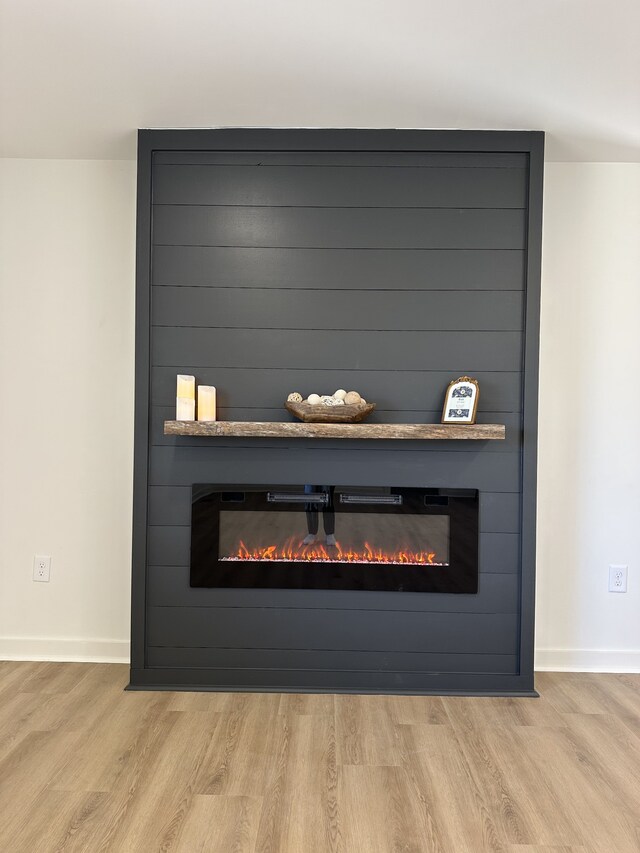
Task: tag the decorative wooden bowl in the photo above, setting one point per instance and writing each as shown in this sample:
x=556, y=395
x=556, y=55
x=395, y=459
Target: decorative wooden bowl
x=321, y=414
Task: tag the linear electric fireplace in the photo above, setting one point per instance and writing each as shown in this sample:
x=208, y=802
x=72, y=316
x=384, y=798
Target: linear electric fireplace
x=334, y=537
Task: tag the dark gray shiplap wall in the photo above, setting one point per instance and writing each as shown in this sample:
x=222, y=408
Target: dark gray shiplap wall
x=389, y=272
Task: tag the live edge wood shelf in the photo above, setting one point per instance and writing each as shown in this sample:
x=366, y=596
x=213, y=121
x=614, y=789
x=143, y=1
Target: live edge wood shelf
x=267, y=429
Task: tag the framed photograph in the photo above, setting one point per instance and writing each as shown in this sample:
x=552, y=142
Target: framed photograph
x=461, y=401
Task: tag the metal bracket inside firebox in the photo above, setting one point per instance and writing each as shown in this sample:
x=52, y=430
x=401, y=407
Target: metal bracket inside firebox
x=395, y=500
x=297, y=498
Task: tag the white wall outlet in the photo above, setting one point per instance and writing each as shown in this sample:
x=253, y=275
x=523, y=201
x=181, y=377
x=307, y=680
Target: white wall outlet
x=41, y=569
x=618, y=578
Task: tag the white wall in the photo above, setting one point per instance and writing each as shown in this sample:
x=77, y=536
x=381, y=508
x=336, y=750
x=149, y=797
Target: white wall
x=589, y=446
x=66, y=372
x=66, y=343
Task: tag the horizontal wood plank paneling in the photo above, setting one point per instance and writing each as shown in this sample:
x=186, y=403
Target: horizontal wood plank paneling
x=169, y=505
x=499, y=511
x=308, y=661
x=323, y=227
x=266, y=308
x=497, y=593
x=390, y=272
x=499, y=552
x=477, y=682
x=362, y=269
x=356, y=159
x=219, y=461
x=393, y=390
x=352, y=630
x=336, y=186
x=455, y=352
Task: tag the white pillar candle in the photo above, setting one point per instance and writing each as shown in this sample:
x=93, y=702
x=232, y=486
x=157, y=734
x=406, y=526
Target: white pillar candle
x=186, y=387
x=185, y=409
x=206, y=403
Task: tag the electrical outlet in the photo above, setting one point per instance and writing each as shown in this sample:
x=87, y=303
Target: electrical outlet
x=41, y=569
x=618, y=578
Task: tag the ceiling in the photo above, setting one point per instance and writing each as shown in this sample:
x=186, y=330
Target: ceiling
x=77, y=77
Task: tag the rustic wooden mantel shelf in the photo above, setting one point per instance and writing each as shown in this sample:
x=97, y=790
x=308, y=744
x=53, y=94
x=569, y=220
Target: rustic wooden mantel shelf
x=276, y=429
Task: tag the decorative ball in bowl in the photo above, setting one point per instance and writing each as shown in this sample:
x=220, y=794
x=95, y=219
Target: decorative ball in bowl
x=343, y=407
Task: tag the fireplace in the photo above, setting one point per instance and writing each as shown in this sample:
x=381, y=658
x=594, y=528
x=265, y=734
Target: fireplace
x=334, y=537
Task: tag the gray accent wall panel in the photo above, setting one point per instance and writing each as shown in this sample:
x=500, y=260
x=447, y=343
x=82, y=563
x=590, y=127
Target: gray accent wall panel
x=315, y=156
x=339, y=228
x=481, y=681
x=416, y=465
x=333, y=349
x=304, y=660
x=355, y=269
x=339, y=186
x=344, y=310
x=387, y=261
x=497, y=593
x=352, y=630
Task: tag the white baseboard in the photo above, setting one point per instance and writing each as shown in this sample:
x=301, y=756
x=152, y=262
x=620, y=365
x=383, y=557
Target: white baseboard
x=64, y=649
x=587, y=660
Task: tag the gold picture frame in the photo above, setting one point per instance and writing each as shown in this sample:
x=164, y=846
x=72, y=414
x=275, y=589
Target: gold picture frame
x=461, y=401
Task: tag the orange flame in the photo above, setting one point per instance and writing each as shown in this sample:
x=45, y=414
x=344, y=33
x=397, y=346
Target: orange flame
x=294, y=551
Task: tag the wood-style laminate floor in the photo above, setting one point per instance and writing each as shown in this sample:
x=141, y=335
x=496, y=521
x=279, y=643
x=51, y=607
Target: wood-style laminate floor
x=87, y=767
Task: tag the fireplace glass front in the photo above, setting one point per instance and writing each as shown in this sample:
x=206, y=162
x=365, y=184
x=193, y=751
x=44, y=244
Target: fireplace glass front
x=334, y=537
